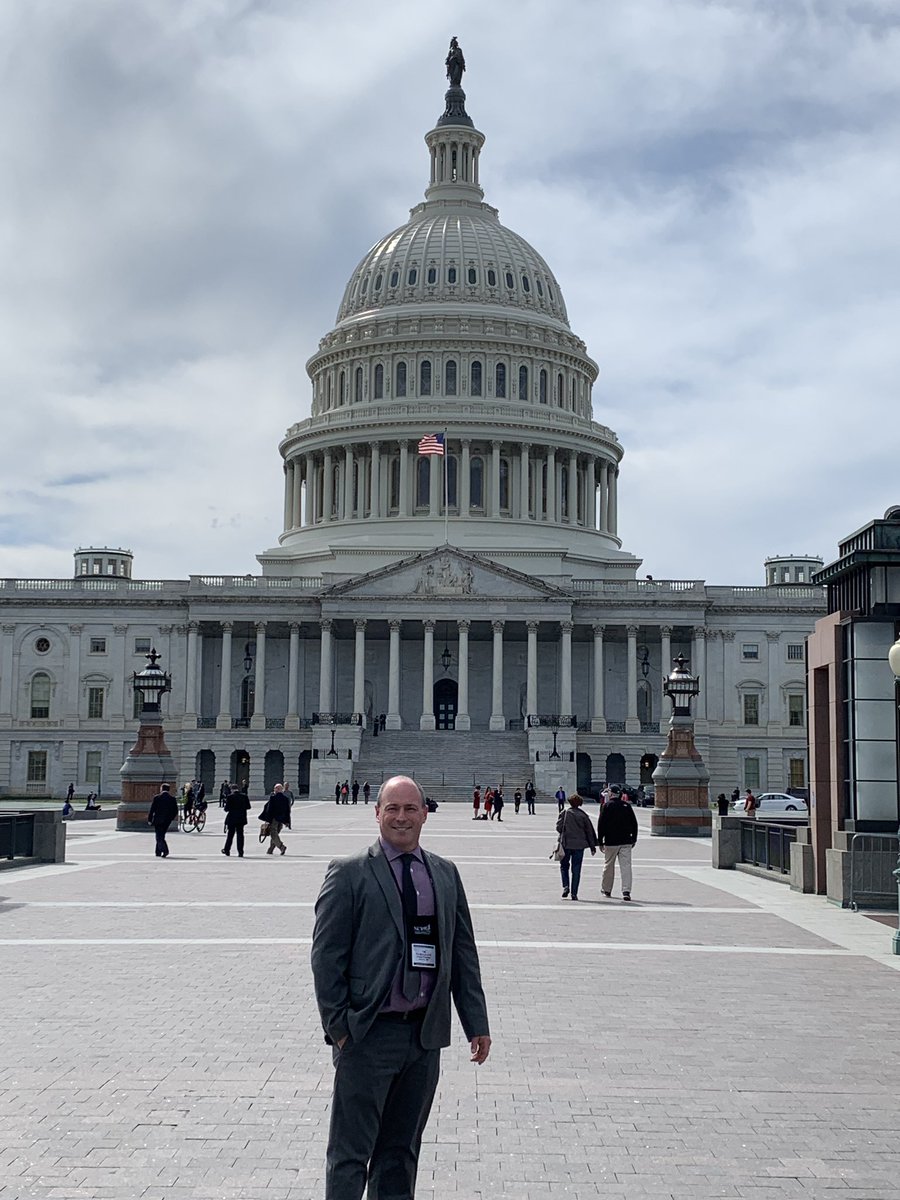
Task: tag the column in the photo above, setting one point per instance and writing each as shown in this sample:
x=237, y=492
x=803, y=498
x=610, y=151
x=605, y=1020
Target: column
x=327, y=486
x=325, y=667
x=223, y=720
x=435, y=484
x=632, y=724
x=495, y=479
x=359, y=667
x=524, y=491
x=665, y=658
x=464, y=480
x=404, y=479
x=258, y=720
x=297, y=498
x=531, y=688
x=773, y=699
x=6, y=668
x=190, y=675
x=426, y=721
x=498, y=720
x=347, y=510
x=551, y=485
x=565, y=669
x=463, y=720
x=375, y=482
x=613, y=501
x=572, y=497
x=698, y=668
x=393, y=713
x=288, y=494
x=292, y=716
x=598, y=717
x=310, y=475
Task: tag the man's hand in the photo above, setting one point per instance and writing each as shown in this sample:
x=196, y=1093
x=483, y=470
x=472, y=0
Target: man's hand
x=481, y=1048
x=593, y=850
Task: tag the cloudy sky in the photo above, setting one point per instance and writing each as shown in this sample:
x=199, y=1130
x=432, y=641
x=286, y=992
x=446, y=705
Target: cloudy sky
x=185, y=186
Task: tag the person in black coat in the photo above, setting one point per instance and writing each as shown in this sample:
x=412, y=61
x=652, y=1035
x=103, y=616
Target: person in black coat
x=163, y=811
x=237, y=805
x=617, y=831
x=277, y=812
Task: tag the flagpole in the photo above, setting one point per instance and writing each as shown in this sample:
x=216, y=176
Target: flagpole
x=446, y=505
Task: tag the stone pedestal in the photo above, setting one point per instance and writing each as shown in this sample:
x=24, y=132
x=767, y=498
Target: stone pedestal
x=149, y=765
x=682, y=786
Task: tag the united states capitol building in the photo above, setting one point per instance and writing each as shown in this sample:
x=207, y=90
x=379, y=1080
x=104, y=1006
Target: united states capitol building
x=477, y=605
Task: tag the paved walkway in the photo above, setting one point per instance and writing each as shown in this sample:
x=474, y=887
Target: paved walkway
x=719, y=1037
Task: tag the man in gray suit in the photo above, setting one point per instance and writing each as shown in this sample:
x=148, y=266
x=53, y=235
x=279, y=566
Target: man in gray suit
x=392, y=944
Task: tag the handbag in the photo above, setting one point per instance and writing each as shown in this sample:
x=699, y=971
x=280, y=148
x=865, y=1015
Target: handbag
x=264, y=831
x=559, y=853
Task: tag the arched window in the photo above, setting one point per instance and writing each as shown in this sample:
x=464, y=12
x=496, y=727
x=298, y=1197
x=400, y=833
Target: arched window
x=526, y=286
x=412, y=276
x=379, y=279
x=400, y=388
x=476, y=483
x=342, y=388
x=504, y=485
x=425, y=377
x=492, y=278
x=357, y=386
x=572, y=393
x=523, y=383
x=510, y=282
x=475, y=378
x=248, y=697
x=500, y=380
x=452, y=474
x=379, y=381
x=560, y=390
x=540, y=289
x=40, y=696
x=423, y=481
x=450, y=378
x=329, y=394
x=432, y=274
x=542, y=386
x=451, y=274
x=395, y=278
x=473, y=275
x=394, y=501
x=564, y=491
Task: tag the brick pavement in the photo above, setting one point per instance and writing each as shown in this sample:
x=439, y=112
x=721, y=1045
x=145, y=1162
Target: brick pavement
x=719, y=1037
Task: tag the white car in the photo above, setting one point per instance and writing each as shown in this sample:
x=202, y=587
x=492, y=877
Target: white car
x=774, y=802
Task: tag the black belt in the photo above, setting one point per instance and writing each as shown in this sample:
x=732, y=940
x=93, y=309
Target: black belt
x=415, y=1014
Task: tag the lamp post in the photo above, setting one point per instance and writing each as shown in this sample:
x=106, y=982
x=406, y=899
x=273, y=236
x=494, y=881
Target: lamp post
x=681, y=778
x=894, y=660
x=149, y=763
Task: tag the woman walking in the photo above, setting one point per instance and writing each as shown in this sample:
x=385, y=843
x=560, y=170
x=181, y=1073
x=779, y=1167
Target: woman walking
x=576, y=834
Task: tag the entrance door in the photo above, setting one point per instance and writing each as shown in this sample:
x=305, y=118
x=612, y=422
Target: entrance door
x=446, y=695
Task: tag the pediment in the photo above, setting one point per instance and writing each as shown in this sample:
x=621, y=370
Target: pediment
x=445, y=574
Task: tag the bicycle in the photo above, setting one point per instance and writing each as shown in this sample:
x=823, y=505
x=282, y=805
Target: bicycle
x=193, y=820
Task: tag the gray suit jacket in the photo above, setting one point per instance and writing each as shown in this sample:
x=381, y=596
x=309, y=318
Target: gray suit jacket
x=357, y=947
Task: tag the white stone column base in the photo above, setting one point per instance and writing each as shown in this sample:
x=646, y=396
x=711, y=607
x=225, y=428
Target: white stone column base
x=223, y=721
x=598, y=724
x=632, y=725
x=292, y=721
x=189, y=721
x=497, y=725
x=392, y=721
x=427, y=721
x=258, y=721
x=463, y=722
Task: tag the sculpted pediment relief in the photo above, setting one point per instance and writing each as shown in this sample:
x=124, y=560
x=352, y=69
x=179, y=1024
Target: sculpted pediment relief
x=446, y=574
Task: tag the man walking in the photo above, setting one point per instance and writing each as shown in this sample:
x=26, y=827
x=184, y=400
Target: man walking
x=354, y=792
x=237, y=805
x=277, y=811
x=617, y=832
x=392, y=944
x=529, y=797
x=560, y=798
x=163, y=811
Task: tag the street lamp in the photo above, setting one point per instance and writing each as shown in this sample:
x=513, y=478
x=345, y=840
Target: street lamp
x=681, y=687
x=894, y=660
x=446, y=656
x=152, y=683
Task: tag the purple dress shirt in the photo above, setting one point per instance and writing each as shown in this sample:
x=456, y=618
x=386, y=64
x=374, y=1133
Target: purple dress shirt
x=396, y=1001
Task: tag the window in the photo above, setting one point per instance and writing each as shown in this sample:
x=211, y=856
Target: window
x=797, y=772
x=510, y=282
x=357, y=385
x=395, y=278
x=523, y=383
x=37, y=766
x=142, y=645
x=564, y=493
x=473, y=275
x=400, y=386
x=379, y=382
x=542, y=387
x=476, y=483
x=475, y=378
x=248, y=697
x=97, y=645
x=395, y=483
x=750, y=701
x=92, y=761
x=423, y=481
x=452, y=474
x=795, y=652
x=425, y=377
x=412, y=276
x=451, y=274
x=750, y=652
x=137, y=705
x=342, y=388
x=365, y=285
x=432, y=274
x=560, y=390
x=379, y=279
x=95, y=702
x=492, y=278
x=540, y=289
x=450, y=378
x=526, y=286
x=42, y=645
x=796, y=710
x=751, y=773
x=500, y=380
x=40, y=696
x=504, y=484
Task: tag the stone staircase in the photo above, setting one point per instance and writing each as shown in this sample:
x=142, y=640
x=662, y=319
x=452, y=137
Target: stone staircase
x=446, y=763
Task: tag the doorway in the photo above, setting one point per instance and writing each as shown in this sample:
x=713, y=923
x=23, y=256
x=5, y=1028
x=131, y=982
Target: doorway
x=240, y=768
x=648, y=766
x=615, y=769
x=446, y=696
x=205, y=769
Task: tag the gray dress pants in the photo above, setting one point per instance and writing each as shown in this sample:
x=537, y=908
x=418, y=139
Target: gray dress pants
x=383, y=1090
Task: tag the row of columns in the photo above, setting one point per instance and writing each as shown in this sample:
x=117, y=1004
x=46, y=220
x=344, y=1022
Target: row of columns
x=310, y=497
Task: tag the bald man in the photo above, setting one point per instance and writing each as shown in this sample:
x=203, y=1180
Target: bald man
x=392, y=944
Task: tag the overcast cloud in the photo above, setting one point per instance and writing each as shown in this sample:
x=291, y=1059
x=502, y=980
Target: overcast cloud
x=186, y=185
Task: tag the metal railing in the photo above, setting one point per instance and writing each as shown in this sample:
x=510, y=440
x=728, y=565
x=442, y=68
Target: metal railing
x=337, y=718
x=873, y=860
x=766, y=844
x=552, y=721
x=16, y=835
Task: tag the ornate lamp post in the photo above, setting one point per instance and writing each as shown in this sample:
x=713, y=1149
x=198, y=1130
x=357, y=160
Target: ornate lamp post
x=681, y=778
x=894, y=660
x=149, y=763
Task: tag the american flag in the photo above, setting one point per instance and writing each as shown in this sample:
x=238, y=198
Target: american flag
x=432, y=443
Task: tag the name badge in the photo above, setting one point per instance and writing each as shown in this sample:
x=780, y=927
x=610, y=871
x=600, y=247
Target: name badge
x=421, y=938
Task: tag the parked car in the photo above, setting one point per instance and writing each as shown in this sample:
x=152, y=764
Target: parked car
x=769, y=803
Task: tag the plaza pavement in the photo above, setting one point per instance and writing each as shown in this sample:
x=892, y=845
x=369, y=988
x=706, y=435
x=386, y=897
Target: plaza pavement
x=719, y=1037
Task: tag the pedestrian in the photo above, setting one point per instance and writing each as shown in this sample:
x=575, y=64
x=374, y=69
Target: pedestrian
x=382, y=721
x=735, y=797
x=530, y=796
x=576, y=834
x=498, y=803
x=722, y=802
x=236, y=808
x=354, y=791
x=489, y=802
x=337, y=792
x=288, y=793
x=750, y=804
x=476, y=802
x=384, y=969
x=277, y=811
x=200, y=793
x=70, y=793
x=163, y=811
x=223, y=792
x=68, y=808
x=517, y=798
x=345, y=792
x=366, y=791
x=617, y=831
x=560, y=798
